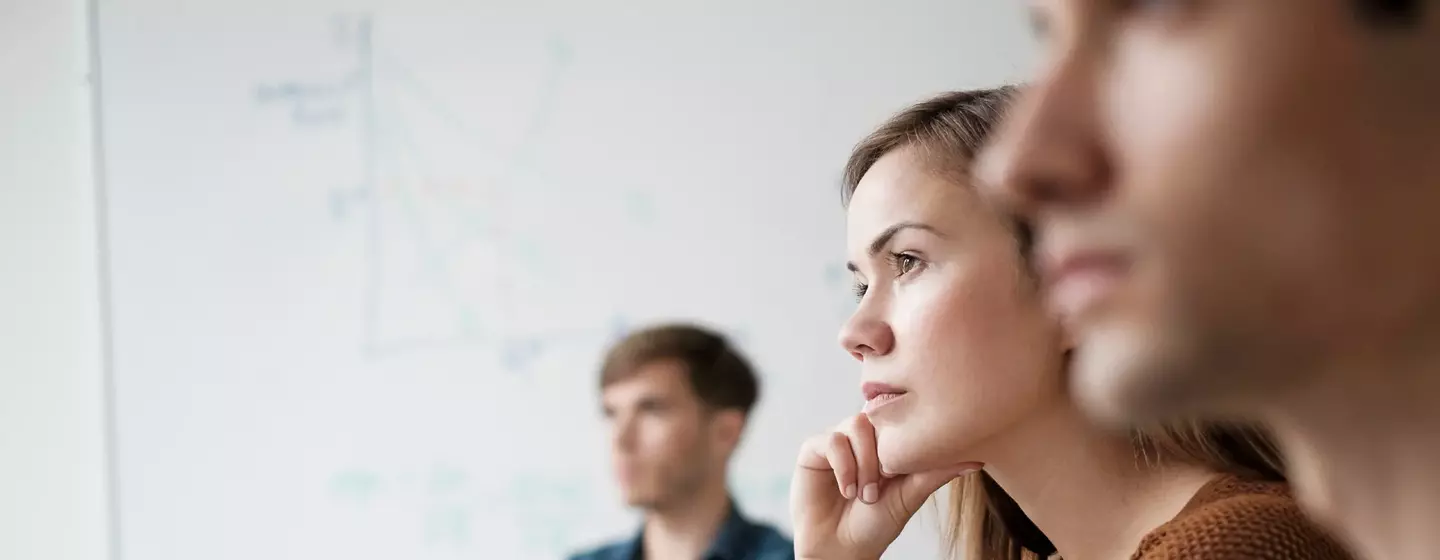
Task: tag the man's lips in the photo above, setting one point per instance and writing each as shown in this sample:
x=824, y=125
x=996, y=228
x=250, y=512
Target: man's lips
x=1077, y=281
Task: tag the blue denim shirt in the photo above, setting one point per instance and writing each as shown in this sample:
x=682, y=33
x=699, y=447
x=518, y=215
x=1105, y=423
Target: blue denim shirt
x=738, y=539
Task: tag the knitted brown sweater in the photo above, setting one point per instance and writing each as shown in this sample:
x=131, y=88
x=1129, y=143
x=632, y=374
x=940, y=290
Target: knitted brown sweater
x=1236, y=519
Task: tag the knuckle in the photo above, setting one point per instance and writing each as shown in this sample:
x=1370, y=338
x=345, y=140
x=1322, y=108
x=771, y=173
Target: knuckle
x=862, y=423
x=809, y=448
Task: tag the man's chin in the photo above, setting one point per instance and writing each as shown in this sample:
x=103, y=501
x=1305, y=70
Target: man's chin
x=1116, y=381
x=640, y=502
x=1122, y=378
x=636, y=499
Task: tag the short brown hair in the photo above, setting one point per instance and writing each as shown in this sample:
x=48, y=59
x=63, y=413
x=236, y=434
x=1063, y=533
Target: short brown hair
x=1390, y=13
x=718, y=374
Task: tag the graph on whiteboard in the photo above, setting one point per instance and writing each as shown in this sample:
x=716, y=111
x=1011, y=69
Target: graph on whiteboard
x=450, y=260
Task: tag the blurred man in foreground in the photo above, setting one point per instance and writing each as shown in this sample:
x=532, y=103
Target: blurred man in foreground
x=1238, y=211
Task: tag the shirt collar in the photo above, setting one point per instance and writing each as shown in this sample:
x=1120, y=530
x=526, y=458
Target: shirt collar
x=630, y=550
x=733, y=539
x=729, y=544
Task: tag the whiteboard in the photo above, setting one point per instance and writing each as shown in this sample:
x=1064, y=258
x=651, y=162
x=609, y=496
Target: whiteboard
x=365, y=257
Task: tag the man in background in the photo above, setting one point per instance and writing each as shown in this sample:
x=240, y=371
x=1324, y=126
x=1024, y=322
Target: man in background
x=677, y=398
x=1238, y=212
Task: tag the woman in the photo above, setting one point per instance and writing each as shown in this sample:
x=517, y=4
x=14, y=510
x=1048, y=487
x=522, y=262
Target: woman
x=963, y=376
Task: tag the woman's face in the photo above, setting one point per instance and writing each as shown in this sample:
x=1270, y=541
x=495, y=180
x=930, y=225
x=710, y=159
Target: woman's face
x=954, y=345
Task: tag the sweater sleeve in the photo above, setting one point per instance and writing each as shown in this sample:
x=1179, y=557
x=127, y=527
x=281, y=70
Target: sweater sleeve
x=1245, y=527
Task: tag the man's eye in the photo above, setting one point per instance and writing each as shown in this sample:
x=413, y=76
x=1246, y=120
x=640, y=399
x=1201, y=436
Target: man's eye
x=1156, y=7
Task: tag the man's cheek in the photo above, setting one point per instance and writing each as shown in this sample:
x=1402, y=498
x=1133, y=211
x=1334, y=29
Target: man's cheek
x=659, y=442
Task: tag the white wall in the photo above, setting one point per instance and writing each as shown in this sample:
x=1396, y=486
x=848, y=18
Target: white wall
x=53, y=470
x=362, y=320
x=52, y=447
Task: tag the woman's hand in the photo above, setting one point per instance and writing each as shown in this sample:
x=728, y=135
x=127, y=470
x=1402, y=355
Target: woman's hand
x=842, y=507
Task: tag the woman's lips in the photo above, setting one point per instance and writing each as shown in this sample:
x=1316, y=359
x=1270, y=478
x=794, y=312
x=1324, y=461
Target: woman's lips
x=878, y=395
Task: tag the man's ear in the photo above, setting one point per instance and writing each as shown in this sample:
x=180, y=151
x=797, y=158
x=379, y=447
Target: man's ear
x=726, y=426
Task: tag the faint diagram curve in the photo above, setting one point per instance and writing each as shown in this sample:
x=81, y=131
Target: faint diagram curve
x=385, y=140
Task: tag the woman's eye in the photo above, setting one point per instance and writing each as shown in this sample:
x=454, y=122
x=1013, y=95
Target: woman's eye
x=860, y=291
x=904, y=263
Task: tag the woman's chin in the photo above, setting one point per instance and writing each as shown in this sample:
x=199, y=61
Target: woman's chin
x=902, y=452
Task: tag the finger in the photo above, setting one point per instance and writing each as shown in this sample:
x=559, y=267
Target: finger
x=813, y=453
x=867, y=460
x=814, y=480
x=909, y=492
x=842, y=461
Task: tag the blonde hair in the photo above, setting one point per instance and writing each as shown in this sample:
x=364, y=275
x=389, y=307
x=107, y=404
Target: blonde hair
x=986, y=524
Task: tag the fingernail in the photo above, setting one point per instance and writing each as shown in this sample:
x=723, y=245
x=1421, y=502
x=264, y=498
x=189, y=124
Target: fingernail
x=849, y=492
x=872, y=493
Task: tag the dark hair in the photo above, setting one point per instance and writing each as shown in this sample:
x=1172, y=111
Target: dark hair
x=720, y=376
x=949, y=130
x=1389, y=13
